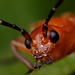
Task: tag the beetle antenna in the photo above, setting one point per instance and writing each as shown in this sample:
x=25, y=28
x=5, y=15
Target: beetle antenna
x=22, y=31
x=53, y=10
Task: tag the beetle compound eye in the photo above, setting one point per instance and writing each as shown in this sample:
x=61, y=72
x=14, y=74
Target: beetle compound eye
x=27, y=43
x=54, y=36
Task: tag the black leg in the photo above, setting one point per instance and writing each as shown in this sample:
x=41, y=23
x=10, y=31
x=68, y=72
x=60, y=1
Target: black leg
x=28, y=72
x=22, y=31
x=45, y=25
x=50, y=61
x=44, y=62
x=37, y=66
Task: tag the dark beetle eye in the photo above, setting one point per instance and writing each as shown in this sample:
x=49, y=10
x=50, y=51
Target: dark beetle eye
x=27, y=43
x=54, y=36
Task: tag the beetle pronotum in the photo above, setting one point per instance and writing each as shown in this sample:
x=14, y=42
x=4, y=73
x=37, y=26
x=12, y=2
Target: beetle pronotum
x=50, y=43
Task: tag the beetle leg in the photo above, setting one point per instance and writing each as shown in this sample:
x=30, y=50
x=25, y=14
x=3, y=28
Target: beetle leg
x=50, y=61
x=20, y=57
x=37, y=66
x=28, y=72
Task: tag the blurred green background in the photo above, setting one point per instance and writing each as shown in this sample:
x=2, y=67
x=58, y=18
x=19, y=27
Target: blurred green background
x=22, y=13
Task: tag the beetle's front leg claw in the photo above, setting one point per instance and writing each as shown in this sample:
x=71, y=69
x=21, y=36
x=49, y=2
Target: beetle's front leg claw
x=37, y=66
x=27, y=73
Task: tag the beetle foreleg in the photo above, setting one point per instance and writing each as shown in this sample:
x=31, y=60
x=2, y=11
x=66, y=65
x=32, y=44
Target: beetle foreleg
x=50, y=61
x=20, y=57
x=37, y=66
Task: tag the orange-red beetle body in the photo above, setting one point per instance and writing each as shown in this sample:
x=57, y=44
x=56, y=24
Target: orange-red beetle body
x=65, y=45
x=51, y=40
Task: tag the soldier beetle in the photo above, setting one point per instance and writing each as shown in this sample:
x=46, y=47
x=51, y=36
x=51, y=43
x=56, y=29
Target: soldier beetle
x=48, y=42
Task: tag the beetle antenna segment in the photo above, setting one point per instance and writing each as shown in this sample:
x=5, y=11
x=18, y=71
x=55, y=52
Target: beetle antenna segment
x=23, y=32
x=53, y=10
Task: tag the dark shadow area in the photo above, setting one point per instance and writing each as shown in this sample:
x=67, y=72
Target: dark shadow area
x=73, y=73
x=8, y=61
